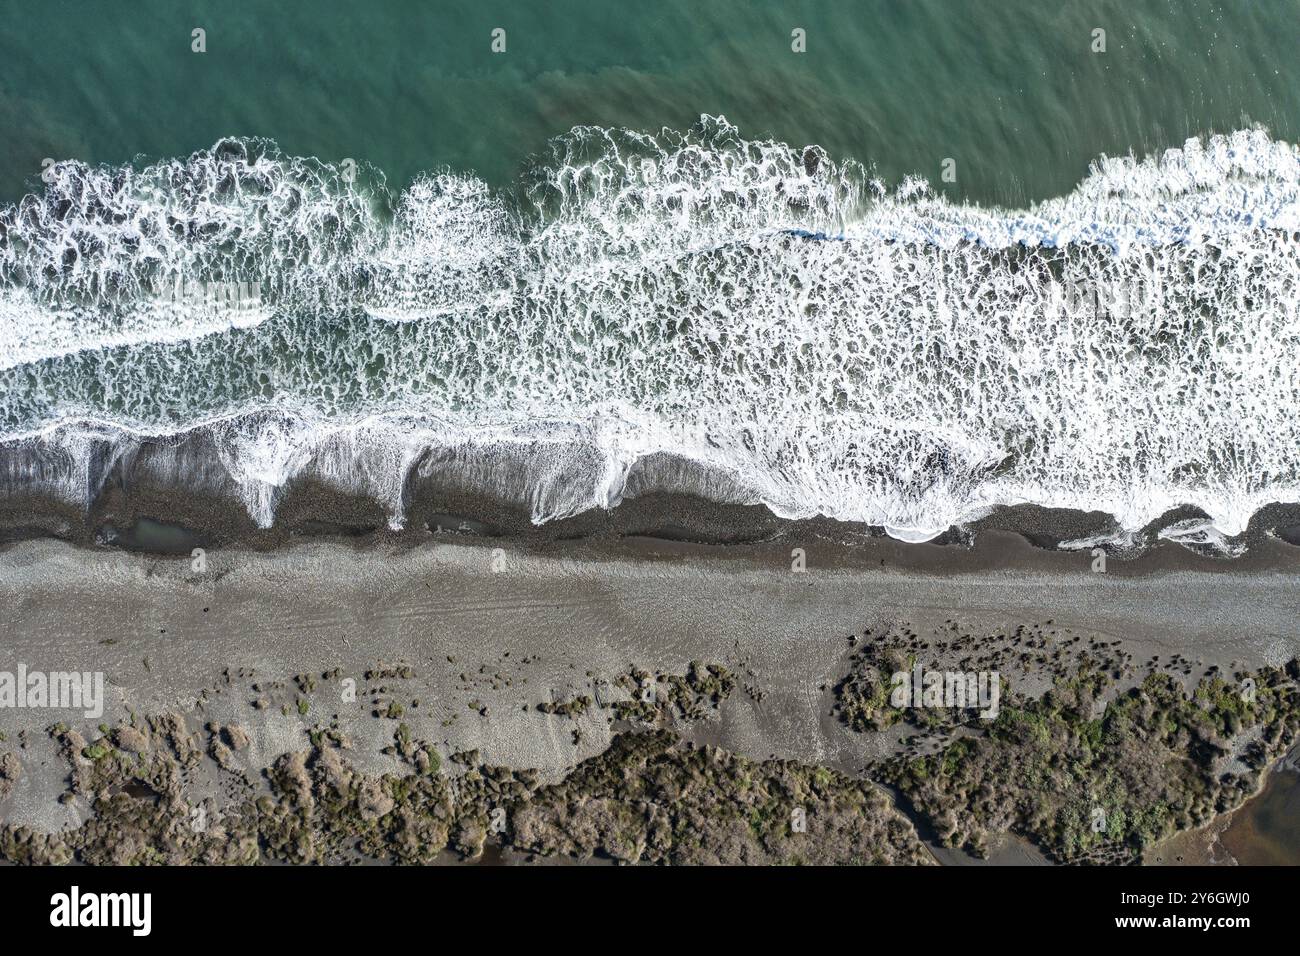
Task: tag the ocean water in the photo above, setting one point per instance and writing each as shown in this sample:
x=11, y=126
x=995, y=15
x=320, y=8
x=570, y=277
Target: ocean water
x=654, y=247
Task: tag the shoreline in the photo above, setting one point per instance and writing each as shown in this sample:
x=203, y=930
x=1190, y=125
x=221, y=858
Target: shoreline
x=370, y=483
x=176, y=520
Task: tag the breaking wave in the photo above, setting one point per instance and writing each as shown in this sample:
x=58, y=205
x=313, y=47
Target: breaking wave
x=781, y=326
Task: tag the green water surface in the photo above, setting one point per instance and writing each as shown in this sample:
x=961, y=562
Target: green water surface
x=1009, y=89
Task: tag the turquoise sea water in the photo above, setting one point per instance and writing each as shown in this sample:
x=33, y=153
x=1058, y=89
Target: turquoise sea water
x=1008, y=88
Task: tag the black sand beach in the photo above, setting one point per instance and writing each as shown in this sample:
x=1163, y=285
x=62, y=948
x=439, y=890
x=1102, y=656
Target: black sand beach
x=480, y=641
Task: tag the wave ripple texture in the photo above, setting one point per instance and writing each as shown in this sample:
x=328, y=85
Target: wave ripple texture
x=784, y=328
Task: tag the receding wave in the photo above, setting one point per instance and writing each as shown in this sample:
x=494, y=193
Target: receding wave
x=801, y=334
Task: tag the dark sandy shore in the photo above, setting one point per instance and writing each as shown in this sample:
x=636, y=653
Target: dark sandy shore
x=109, y=484
x=479, y=641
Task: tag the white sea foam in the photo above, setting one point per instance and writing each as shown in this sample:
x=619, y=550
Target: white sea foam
x=1200, y=534
x=97, y=259
x=808, y=338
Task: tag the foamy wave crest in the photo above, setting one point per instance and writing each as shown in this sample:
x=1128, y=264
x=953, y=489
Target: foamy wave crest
x=799, y=334
x=119, y=256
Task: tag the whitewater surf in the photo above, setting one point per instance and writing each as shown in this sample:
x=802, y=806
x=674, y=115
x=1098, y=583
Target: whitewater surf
x=787, y=328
